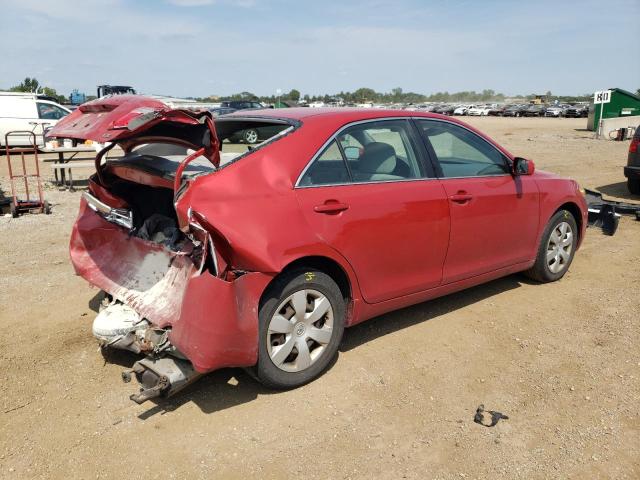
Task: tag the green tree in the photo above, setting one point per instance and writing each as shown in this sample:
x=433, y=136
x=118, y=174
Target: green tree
x=293, y=95
x=31, y=85
x=364, y=95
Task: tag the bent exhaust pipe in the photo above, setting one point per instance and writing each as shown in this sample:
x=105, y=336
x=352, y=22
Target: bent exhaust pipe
x=160, y=377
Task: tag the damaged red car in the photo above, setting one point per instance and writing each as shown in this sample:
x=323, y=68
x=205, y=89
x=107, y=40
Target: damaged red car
x=214, y=253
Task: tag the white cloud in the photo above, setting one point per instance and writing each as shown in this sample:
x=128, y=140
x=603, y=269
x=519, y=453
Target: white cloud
x=191, y=3
x=203, y=3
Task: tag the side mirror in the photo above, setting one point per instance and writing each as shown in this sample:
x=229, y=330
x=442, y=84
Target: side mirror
x=522, y=166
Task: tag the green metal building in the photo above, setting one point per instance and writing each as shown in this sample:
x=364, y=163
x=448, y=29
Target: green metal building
x=622, y=104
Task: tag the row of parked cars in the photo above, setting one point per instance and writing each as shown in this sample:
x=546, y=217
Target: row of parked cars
x=518, y=110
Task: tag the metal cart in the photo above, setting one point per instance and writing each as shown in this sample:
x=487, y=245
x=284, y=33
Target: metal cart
x=26, y=204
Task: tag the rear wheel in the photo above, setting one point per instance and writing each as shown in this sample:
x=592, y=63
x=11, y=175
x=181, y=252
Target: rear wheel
x=250, y=136
x=557, y=247
x=14, y=210
x=301, y=326
x=633, y=184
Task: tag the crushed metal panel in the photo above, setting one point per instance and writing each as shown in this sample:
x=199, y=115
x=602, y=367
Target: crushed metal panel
x=139, y=273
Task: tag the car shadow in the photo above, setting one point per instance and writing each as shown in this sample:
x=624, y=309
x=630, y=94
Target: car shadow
x=212, y=393
x=229, y=387
x=618, y=190
x=400, y=319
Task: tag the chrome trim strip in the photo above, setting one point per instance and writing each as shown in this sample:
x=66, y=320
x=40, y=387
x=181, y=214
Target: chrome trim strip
x=212, y=252
x=382, y=119
x=353, y=184
x=477, y=176
x=119, y=216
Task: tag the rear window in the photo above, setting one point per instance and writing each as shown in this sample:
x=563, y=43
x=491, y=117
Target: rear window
x=239, y=136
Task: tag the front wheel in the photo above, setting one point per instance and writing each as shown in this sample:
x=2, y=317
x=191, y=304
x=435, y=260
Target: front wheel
x=557, y=248
x=301, y=326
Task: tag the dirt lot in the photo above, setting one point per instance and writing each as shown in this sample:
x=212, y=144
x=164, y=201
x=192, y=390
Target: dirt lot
x=561, y=360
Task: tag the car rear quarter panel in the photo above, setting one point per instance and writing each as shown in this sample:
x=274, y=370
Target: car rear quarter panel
x=252, y=205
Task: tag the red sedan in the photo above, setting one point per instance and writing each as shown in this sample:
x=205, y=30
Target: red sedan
x=215, y=253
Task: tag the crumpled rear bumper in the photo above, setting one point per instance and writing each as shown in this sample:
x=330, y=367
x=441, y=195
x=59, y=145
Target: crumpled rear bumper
x=214, y=322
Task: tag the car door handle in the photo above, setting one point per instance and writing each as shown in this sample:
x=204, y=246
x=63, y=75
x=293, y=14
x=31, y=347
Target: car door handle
x=331, y=207
x=461, y=197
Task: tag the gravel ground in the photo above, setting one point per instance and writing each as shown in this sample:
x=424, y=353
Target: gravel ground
x=560, y=360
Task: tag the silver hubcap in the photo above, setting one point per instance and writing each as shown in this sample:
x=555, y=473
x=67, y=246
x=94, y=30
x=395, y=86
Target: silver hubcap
x=300, y=330
x=251, y=136
x=559, y=247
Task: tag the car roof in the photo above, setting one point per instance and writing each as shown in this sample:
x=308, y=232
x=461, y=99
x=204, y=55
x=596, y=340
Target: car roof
x=328, y=119
x=332, y=113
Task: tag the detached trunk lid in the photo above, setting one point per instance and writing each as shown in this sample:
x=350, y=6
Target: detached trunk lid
x=130, y=120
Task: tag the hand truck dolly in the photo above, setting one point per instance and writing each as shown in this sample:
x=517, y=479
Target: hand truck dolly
x=26, y=204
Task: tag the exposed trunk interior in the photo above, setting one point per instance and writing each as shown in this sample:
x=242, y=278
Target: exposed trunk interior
x=144, y=176
x=154, y=216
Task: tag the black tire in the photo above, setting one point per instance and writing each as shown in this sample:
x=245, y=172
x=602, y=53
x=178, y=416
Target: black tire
x=299, y=279
x=250, y=136
x=633, y=184
x=540, y=271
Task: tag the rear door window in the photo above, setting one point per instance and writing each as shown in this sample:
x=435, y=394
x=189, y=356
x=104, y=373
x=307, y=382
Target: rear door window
x=377, y=151
x=328, y=169
x=380, y=151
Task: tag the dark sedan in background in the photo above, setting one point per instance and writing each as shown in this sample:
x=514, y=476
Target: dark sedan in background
x=514, y=111
x=533, y=111
x=242, y=104
x=577, y=111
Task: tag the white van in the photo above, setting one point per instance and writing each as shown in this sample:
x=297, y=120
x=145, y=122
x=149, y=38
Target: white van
x=27, y=111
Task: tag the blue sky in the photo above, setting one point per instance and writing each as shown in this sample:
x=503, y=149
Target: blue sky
x=203, y=47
